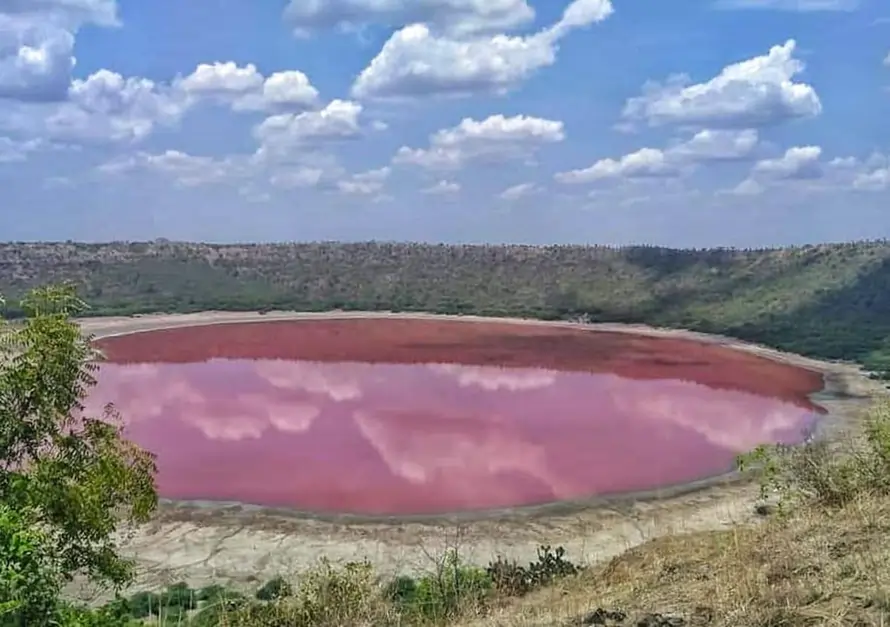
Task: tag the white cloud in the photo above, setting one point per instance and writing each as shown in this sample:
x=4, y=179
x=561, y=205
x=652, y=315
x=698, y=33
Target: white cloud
x=519, y=191
x=717, y=145
x=72, y=13
x=417, y=62
x=365, y=183
x=705, y=146
x=282, y=134
x=37, y=44
x=644, y=163
x=187, y=170
x=15, y=151
x=874, y=180
x=748, y=187
x=36, y=60
x=299, y=177
x=753, y=93
x=496, y=137
x=801, y=6
x=799, y=162
x=457, y=17
x=246, y=89
x=442, y=188
x=106, y=105
x=887, y=60
x=221, y=78
x=801, y=168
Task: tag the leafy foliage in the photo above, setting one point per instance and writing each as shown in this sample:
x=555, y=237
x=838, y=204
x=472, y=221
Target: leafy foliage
x=66, y=480
x=513, y=579
x=441, y=595
x=275, y=588
x=815, y=474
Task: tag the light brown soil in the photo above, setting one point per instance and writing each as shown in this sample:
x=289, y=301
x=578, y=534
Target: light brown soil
x=203, y=543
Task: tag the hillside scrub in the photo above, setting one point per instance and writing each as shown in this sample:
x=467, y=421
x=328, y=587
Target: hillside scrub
x=830, y=301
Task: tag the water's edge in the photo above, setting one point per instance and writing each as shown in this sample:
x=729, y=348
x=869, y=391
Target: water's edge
x=825, y=427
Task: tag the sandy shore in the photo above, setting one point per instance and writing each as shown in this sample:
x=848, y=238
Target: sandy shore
x=203, y=543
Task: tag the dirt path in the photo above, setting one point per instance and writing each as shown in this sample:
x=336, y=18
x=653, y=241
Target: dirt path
x=200, y=544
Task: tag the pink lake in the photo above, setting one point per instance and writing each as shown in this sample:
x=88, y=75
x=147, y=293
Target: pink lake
x=428, y=438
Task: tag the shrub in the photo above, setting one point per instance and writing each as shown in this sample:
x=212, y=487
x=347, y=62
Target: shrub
x=327, y=596
x=453, y=589
x=30, y=580
x=512, y=579
x=276, y=588
x=817, y=475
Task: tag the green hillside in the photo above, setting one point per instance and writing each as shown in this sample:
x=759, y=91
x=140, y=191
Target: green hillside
x=830, y=300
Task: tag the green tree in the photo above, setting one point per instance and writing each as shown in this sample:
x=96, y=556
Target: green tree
x=67, y=481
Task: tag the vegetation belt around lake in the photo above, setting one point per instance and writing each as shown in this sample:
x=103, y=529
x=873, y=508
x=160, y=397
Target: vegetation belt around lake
x=829, y=301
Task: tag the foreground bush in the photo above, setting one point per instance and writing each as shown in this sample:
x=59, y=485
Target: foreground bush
x=824, y=475
x=332, y=596
x=67, y=482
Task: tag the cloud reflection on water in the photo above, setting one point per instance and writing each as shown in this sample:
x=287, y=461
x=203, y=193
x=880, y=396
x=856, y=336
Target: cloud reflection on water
x=464, y=436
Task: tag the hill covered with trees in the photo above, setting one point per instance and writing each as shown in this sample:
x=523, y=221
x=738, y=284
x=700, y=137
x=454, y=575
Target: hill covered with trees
x=829, y=300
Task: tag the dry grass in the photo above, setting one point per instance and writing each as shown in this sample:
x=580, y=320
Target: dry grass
x=815, y=567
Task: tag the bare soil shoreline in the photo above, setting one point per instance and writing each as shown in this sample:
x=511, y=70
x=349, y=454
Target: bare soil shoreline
x=203, y=543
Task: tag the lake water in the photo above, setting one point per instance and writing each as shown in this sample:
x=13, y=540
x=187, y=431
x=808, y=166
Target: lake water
x=334, y=435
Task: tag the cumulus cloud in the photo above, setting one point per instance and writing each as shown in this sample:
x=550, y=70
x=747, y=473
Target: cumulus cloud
x=456, y=17
x=416, y=61
x=36, y=60
x=705, y=146
x=757, y=92
x=521, y=190
x=442, y=188
x=496, y=137
x=246, y=89
x=284, y=133
x=110, y=106
x=717, y=145
x=365, y=183
x=877, y=179
x=644, y=163
x=106, y=106
x=803, y=168
x=799, y=162
x=298, y=177
x=187, y=170
x=37, y=44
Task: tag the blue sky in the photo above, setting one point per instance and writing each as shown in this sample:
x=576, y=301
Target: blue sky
x=687, y=123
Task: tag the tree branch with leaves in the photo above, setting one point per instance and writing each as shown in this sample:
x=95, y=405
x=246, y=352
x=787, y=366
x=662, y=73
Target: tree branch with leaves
x=68, y=482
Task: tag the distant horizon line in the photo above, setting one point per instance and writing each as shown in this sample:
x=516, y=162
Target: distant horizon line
x=379, y=242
